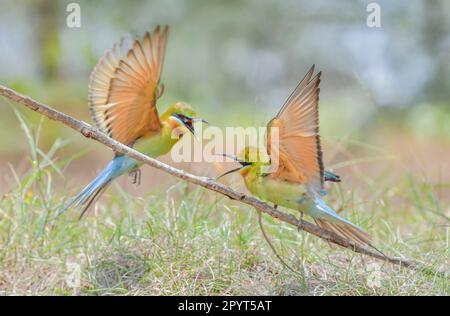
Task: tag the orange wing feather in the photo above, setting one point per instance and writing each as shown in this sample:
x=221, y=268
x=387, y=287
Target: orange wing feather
x=299, y=153
x=124, y=87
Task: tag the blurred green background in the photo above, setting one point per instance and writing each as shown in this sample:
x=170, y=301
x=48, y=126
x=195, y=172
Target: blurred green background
x=237, y=61
x=385, y=129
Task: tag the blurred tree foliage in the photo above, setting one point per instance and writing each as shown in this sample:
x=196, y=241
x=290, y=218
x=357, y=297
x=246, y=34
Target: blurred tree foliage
x=47, y=39
x=253, y=47
x=229, y=57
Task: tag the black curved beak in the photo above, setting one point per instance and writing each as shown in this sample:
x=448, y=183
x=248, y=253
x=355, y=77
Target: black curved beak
x=197, y=119
x=190, y=126
x=243, y=164
x=188, y=122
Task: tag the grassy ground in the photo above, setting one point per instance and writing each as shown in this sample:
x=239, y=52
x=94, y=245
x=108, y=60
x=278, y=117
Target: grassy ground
x=188, y=241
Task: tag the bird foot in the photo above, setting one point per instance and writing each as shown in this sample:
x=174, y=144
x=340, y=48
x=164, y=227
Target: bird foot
x=136, y=174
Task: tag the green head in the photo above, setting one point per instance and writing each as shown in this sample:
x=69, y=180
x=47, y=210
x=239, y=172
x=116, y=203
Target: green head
x=180, y=108
x=247, y=158
x=253, y=155
x=181, y=116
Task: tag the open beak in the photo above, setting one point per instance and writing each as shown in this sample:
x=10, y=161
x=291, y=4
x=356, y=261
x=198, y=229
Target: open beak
x=188, y=122
x=189, y=126
x=197, y=119
x=242, y=163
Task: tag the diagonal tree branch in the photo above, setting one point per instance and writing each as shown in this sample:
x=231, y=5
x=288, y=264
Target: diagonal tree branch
x=208, y=183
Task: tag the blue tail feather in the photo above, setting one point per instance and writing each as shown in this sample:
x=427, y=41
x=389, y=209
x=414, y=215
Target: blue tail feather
x=322, y=211
x=327, y=218
x=118, y=166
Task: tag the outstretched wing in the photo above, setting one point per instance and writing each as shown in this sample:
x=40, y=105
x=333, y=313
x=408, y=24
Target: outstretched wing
x=299, y=153
x=124, y=87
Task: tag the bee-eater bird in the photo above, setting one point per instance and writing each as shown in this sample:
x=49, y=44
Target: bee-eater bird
x=123, y=90
x=297, y=182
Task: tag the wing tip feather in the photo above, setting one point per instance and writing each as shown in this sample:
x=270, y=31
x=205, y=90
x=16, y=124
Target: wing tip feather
x=120, y=52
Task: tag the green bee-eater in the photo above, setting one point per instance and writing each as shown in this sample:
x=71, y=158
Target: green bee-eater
x=123, y=90
x=297, y=182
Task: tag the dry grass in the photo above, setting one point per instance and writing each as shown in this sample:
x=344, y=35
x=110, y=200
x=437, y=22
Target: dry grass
x=191, y=242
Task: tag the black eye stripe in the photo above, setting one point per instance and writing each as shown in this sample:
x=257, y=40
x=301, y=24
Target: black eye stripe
x=184, y=118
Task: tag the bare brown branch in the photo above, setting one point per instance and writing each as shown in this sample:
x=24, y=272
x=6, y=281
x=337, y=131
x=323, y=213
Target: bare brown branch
x=208, y=183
